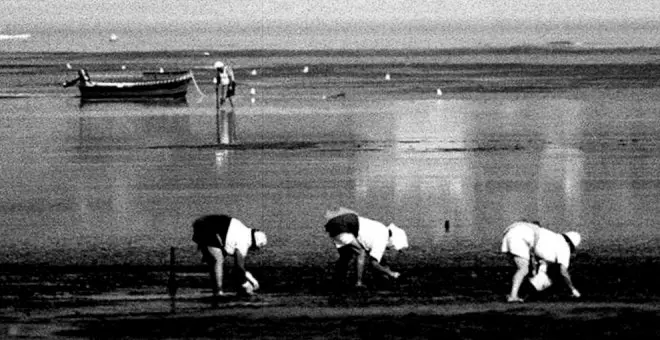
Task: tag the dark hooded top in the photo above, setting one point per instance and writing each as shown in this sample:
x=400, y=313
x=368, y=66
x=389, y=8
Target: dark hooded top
x=346, y=223
x=206, y=230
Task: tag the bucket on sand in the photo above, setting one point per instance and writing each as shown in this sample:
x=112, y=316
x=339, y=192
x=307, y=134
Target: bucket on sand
x=540, y=281
x=251, y=284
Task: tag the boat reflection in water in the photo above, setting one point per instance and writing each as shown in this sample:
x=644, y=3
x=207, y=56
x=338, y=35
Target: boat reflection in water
x=121, y=129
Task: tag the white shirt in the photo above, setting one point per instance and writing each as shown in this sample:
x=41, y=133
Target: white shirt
x=373, y=235
x=521, y=237
x=226, y=75
x=239, y=238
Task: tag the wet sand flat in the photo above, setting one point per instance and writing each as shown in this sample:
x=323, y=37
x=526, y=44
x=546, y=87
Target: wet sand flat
x=305, y=317
x=620, y=299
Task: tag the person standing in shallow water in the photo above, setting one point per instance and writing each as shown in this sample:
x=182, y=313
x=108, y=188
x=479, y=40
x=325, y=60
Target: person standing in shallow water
x=527, y=242
x=218, y=236
x=225, y=79
x=363, y=239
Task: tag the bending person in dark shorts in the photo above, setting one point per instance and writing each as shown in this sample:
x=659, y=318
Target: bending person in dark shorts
x=363, y=239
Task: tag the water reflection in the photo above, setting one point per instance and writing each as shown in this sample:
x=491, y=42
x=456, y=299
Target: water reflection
x=482, y=167
x=433, y=170
x=142, y=102
x=560, y=188
x=140, y=131
x=222, y=160
x=478, y=164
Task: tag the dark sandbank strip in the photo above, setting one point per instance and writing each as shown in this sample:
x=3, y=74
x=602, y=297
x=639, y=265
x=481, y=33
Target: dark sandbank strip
x=573, y=320
x=599, y=279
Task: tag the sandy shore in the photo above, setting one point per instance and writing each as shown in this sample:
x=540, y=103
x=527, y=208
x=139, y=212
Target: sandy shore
x=357, y=315
x=620, y=299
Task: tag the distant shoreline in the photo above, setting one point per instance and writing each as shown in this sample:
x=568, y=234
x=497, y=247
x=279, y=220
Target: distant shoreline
x=411, y=52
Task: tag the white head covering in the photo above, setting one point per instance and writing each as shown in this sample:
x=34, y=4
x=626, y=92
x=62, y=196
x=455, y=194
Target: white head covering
x=260, y=239
x=218, y=64
x=399, y=239
x=574, y=237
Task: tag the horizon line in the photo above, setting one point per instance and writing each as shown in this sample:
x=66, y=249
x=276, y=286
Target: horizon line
x=560, y=47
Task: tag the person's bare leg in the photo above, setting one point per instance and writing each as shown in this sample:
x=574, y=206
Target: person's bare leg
x=341, y=266
x=216, y=270
x=522, y=269
x=384, y=269
x=361, y=259
x=223, y=94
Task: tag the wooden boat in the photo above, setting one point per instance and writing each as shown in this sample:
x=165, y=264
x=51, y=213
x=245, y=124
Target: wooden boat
x=151, y=85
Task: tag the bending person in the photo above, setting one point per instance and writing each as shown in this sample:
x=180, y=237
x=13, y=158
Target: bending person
x=527, y=242
x=364, y=240
x=218, y=236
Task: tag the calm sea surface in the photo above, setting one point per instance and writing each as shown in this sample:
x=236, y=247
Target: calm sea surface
x=121, y=182
x=222, y=35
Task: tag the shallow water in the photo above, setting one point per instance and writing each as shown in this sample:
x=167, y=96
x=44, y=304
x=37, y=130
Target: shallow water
x=121, y=182
x=262, y=34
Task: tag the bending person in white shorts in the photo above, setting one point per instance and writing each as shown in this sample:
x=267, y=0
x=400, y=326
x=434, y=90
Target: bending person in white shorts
x=525, y=242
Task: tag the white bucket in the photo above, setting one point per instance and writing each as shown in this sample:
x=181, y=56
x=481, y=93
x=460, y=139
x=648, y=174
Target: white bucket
x=540, y=281
x=251, y=284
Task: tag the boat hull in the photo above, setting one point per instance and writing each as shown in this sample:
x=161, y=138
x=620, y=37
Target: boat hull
x=174, y=88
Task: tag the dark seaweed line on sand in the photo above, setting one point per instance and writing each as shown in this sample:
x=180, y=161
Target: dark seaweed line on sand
x=413, y=146
x=331, y=146
x=336, y=146
x=244, y=146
